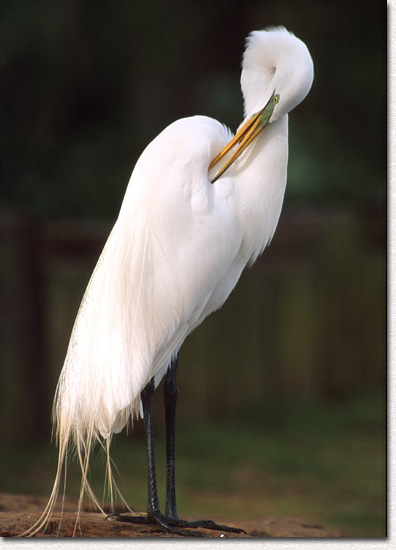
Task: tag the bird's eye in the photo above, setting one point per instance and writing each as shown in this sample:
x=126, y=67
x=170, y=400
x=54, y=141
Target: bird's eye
x=276, y=98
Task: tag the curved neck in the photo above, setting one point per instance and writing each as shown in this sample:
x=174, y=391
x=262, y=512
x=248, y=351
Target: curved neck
x=260, y=176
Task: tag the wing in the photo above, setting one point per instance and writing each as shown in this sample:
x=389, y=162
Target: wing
x=164, y=268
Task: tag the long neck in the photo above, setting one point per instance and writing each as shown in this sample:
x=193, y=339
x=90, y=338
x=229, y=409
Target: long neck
x=260, y=177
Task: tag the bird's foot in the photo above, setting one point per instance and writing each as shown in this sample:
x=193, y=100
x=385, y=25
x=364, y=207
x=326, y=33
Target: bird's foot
x=176, y=525
x=206, y=524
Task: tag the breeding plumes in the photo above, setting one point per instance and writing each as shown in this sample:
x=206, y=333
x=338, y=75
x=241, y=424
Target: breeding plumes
x=184, y=234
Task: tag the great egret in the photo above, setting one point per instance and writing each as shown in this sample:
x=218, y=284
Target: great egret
x=182, y=239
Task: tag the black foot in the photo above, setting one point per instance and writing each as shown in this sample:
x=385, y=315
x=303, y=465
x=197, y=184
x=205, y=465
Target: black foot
x=172, y=525
x=205, y=524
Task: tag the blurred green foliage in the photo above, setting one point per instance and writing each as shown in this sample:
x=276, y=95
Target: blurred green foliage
x=88, y=84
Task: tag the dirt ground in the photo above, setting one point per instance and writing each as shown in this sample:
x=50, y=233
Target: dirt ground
x=19, y=512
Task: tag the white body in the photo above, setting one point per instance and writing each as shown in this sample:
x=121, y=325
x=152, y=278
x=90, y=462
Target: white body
x=174, y=255
x=177, y=249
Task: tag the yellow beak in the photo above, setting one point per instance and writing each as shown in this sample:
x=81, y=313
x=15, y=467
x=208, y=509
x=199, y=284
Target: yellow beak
x=245, y=135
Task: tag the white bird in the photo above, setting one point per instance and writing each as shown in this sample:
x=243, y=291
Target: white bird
x=181, y=241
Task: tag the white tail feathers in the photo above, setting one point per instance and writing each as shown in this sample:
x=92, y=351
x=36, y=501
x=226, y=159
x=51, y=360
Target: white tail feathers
x=82, y=448
x=118, y=343
x=96, y=394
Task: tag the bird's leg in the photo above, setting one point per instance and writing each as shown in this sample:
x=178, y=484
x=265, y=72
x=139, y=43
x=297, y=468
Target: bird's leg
x=170, y=397
x=153, y=510
x=170, y=521
x=147, y=397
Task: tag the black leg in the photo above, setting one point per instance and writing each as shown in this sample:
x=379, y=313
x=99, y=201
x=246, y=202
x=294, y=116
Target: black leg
x=153, y=510
x=170, y=397
x=147, y=397
x=170, y=521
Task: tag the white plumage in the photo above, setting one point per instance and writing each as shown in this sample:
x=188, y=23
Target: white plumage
x=177, y=249
x=149, y=290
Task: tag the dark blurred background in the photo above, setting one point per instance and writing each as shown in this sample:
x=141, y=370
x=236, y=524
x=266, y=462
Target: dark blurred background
x=297, y=356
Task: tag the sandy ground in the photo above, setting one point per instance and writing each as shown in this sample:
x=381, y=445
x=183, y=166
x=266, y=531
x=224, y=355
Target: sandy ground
x=19, y=512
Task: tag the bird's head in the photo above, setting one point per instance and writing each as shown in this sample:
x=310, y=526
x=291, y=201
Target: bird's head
x=275, y=61
x=277, y=74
